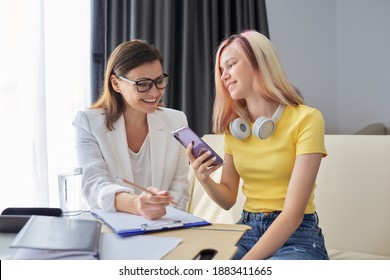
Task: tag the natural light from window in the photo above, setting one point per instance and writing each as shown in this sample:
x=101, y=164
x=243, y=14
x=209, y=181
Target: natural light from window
x=44, y=80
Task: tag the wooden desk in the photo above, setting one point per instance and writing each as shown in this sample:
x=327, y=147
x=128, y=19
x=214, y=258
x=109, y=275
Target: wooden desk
x=219, y=237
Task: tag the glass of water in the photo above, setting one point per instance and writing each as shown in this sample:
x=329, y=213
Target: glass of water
x=69, y=189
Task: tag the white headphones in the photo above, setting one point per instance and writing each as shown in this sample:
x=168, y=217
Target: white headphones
x=263, y=127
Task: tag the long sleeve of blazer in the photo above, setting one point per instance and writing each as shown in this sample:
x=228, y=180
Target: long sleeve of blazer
x=103, y=155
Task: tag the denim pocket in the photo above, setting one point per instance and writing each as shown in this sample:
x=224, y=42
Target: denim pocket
x=311, y=229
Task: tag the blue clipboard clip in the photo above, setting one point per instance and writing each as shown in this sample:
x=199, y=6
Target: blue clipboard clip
x=161, y=226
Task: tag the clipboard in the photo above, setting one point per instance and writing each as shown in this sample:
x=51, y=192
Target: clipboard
x=125, y=224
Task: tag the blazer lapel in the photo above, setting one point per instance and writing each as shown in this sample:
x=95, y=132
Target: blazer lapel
x=158, y=143
x=118, y=141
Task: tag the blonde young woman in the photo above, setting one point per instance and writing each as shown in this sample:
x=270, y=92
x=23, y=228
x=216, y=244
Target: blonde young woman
x=274, y=143
x=127, y=134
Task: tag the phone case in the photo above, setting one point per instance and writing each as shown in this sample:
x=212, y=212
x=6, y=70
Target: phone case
x=186, y=135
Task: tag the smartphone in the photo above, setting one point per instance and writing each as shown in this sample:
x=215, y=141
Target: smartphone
x=185, y=136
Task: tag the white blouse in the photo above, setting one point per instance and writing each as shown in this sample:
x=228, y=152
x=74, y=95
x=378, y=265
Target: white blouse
x=141, y=164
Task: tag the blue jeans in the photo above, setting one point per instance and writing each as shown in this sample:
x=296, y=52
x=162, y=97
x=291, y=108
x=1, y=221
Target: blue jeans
x=306, y=243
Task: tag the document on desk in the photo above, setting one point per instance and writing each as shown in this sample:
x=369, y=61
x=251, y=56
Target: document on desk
x=46, y=237
x=139, y=247
x=125, y=224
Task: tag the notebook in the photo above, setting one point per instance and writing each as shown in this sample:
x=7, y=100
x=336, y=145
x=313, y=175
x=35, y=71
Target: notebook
x=125, y=224
x=45, y=237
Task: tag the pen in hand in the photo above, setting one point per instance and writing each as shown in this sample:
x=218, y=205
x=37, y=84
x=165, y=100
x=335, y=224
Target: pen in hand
x=140, y=188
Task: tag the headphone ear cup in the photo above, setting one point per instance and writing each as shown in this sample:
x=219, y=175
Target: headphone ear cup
x=240, y=128
x=263, y=128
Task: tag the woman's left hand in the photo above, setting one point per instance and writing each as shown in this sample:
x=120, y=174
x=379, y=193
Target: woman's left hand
x=202, y=167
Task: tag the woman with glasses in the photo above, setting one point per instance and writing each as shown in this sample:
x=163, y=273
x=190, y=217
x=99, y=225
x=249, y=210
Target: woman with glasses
x=126, y=134
x=274, y=143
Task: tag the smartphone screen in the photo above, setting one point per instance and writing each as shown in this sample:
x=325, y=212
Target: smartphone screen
x=185, y=136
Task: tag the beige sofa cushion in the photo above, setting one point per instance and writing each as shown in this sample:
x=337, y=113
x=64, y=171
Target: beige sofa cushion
x=335, y=254
x=353, y=193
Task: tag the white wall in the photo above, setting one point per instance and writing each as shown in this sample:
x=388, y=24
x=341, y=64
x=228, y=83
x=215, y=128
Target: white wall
x=337, y=53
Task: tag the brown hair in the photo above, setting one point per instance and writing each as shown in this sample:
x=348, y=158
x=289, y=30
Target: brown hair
x=125, y=57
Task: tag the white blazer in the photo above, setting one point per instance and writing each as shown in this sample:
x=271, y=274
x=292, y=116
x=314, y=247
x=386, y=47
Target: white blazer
x=103, y=154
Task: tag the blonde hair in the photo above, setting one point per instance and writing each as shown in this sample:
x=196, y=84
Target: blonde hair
x=125, y=57
x=270, y=81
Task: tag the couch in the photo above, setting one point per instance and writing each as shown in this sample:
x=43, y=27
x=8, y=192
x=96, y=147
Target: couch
x=374, y=129
x=352, y=196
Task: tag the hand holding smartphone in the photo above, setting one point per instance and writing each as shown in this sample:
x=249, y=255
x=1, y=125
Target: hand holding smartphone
x=185, y=136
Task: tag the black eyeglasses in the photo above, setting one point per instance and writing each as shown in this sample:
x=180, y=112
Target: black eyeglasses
x=144, y=85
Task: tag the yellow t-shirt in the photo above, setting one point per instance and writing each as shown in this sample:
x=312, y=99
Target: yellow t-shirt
x=266, y=165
